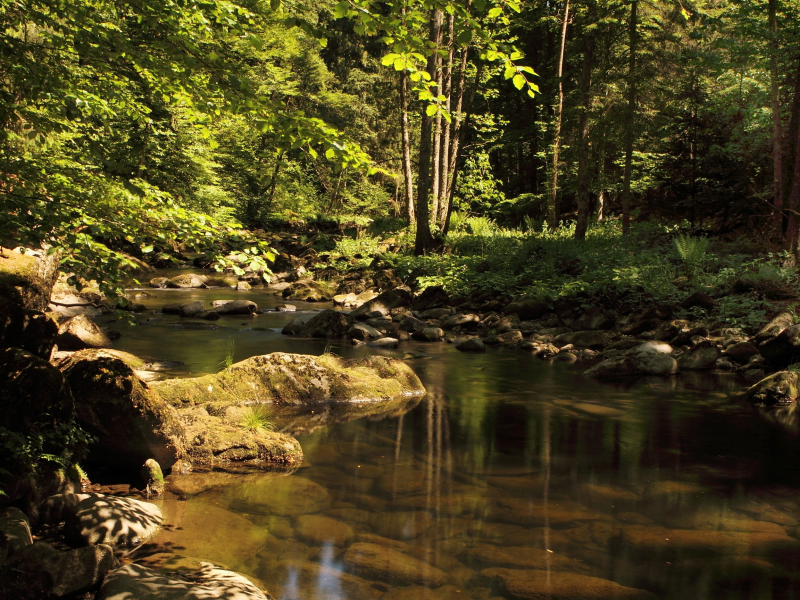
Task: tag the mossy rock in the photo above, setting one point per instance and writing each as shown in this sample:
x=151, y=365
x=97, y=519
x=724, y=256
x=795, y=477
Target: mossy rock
x=131, y=421
x=283, y=378
x=32, y=273
x=778, y=388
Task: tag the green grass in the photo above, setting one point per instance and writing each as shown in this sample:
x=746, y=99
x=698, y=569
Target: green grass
x=258, y=418
x=228, y=360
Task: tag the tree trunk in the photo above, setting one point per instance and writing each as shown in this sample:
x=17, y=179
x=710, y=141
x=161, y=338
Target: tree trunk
x=444, y=162
x=791, y=188
x=552, y=206
x=437, y=133
x=424, y=240
x=626, y=180
x=777, y=133
x=406, y=144
x=583, y=150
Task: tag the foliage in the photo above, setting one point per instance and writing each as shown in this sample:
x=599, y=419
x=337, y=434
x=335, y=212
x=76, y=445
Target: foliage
x=692, y=251
x=258, y=418
x=229, y=352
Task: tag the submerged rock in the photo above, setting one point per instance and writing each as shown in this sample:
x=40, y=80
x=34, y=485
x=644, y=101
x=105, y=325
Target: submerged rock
x=319, y=531
x=380, y=562
x=296, y=379
x=141, y=583
x=556, y=585
x=283, y=496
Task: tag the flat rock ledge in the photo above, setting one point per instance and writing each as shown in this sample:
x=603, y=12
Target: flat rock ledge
x=296, y=379
x=141, y=583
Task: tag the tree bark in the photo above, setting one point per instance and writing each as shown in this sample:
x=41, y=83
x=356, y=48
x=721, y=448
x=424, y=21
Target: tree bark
x=406, y=144
x=444, y=161
x=424, y=240
x=583, y=150
x=777, y=133
x=437, y=133
x=552, y=206
x=626, y=179
x=791, y=188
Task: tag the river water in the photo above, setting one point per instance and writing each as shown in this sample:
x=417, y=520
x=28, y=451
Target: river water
x=513, y=477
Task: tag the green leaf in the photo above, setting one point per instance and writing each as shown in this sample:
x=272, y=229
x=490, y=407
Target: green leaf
x=431, y=110
x=399, y=64
x=255, y=42
x=509, y=72
x=274, y=4
x=389, y=59
x=147, y=249
x=465, y=37
x=518, y=81
x=495, y=12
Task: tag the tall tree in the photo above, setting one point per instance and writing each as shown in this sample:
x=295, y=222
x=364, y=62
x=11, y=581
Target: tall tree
x=583, y=127
x=553, y=212
x=631, y=115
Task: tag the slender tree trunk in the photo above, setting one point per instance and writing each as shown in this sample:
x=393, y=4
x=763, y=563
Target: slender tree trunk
x=553, y=211
x=626, y=179
x=424, y=240
x=792, y=178
x=777, y=133
x=444, y=161
x=458, y=143
x=437, y=133
x=583, y=150
x=406, y=144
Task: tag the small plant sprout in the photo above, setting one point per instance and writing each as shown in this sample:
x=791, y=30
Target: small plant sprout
x=258, y=418
x=228, y=360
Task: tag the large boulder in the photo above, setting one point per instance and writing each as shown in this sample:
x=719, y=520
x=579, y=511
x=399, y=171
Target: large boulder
x=329, y=324
x=15, y=528
x=112, y=520
x=385, y=301
x=784, y=348
x=296, y=379
x=783, y=320
x=741, y=352
x=778, y=388
x=135, y=581
x=80, y=332
x=432, y=296
x=307, y=290
x=375, y=561
x=282, y=496
x=31, y=273
x=701, y=356
x=187, y=281
x=556, y=585
x=130, y=420
x=236, y=307
x=642, y=363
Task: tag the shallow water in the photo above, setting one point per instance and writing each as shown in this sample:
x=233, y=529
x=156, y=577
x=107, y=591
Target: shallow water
x=513, y=477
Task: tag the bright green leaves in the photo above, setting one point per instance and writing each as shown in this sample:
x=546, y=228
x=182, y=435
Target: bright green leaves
x=518, y=81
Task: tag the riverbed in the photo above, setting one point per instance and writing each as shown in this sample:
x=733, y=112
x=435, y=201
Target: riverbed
x=513, y=475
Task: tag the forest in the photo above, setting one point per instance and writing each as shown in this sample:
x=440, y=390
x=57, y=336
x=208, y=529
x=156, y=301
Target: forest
x=138, y=128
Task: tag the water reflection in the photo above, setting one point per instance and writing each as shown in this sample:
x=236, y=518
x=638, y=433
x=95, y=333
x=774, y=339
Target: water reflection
x=512, y=478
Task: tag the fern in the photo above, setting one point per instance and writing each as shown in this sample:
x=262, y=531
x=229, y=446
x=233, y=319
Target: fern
x=692, y=251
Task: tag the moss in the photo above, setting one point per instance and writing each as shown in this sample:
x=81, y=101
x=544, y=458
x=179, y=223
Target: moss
x=296, y=379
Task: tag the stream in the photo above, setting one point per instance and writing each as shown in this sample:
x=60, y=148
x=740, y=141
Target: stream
x=513, y=475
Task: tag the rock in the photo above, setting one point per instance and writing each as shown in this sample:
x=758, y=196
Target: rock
x=684, y=338
x=471, y=345
x=209, y=315
x=286, y=308
x=313, y=580
x=435, y=313
x=57, y=507
x=535, y=513
x=132, y=423
x=187, y=281
x=432, y=296
x=192, y=309
x=651, y=347
x=524, y=557
x=237, y=307
x=23, y=295
x=527, y=310
x=283, y=496
x=140, y=583
x=80, y=332
x=754, y=374
x=30, y=274
x=428, y=334
x=159, y=282
x=152, y=477
x=701, y=300
x=778, y=324
x=461, y=320
x=306, y=290
x=661, y=311
x=647, y=363
x=585, y=339
x=380, y=562
x=293, y=327
x=242, y=286
x=723, y=364
x=296, y=379
x=403, y=525
x=594, y=318
x=384, y=342
x=362, y=331
x=741, y=352
x=330, y=324
x=16, y=528
x=112, y=520
x=320, y=531
x=385, y=301
x=556, y=585
x=784, y=348
x=71, y=572
x=701, y=356
x=778, y=388
x=171, y=309
x=668, y=330
x=505, y=324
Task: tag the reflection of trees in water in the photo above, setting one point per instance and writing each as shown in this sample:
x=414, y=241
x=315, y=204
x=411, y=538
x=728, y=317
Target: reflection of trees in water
x=785, y=416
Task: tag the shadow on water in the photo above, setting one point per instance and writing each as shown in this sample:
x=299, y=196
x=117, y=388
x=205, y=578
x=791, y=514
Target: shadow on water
x=513, y=478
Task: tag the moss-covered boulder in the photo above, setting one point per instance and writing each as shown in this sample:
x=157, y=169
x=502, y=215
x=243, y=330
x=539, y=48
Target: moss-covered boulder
x=32, y=273
x=80, y=332
x=131, y=421
x=778, y=388
x=214, y=439
x=307, y=290
x=283, y=378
